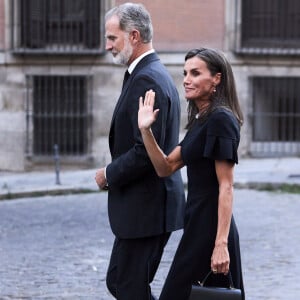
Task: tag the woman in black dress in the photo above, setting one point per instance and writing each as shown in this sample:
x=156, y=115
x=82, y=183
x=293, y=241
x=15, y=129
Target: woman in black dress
x=210, y=239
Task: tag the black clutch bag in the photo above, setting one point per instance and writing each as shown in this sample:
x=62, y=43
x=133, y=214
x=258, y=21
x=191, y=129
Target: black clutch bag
x=201, y=292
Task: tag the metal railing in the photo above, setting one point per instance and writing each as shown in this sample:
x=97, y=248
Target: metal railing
x=276, y=115
x=57, y=26
x=59, y=112
x=269, y=27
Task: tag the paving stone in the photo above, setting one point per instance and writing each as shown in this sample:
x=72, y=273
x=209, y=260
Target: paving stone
x=58, y=247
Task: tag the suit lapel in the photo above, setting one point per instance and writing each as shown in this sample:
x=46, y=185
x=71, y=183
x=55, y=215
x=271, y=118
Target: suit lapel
x=123, y=92
x=144, y=62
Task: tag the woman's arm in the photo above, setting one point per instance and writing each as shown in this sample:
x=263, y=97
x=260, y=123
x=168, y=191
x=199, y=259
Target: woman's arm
x=220, y=258
x=164, y=165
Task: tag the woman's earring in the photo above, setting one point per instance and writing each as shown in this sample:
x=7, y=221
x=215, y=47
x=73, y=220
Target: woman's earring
x=214, y=90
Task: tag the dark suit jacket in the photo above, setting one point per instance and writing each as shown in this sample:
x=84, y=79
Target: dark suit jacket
x=140, y=203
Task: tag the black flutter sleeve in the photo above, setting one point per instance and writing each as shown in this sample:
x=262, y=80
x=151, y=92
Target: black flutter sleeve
x=223, y=136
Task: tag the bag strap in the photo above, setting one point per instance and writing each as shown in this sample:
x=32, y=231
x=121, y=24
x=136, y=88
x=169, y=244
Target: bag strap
x=211, y=272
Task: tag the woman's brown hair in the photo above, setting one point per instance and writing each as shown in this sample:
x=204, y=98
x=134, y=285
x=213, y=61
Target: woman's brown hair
x=225, y=95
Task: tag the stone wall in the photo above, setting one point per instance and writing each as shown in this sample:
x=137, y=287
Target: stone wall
x=178, y=27
x=2, y=24
x=107, y=80
x=183, y=25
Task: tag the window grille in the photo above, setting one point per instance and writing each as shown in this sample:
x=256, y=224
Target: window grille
x=57, y=26
x=58, y=113
x=270, y=27
x=276, y=115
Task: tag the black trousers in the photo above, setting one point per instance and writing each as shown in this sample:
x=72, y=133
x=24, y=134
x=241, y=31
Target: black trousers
x=132, y=266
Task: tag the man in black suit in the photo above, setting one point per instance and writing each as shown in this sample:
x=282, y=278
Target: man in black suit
x=143, y=209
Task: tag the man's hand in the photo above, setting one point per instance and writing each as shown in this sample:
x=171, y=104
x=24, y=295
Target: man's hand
x=100, y=179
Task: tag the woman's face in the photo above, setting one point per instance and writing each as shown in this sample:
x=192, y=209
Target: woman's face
x=198, y=82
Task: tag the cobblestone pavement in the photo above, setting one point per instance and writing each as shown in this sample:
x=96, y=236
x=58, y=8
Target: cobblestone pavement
x=57, y=247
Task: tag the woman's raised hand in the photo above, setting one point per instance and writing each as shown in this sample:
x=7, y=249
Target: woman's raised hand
x=146, y=115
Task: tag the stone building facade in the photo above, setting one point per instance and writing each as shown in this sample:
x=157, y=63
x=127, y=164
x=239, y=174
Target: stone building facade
x=59, y=87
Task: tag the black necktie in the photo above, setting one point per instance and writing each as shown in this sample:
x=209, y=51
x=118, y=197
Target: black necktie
x=126, y=76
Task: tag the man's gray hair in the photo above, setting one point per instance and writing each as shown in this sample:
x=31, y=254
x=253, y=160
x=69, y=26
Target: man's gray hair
x=133, y=16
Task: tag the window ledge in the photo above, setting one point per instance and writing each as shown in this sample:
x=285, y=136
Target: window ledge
x=62, y=51
x=268, y=51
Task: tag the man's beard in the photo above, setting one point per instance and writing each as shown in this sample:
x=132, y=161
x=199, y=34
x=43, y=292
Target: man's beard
x=123, y=56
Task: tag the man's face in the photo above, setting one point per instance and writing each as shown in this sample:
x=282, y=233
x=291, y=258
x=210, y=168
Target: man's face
x=117, y=42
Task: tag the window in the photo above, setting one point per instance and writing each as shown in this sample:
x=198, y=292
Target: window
x=270, y=26
x=58, y=113
x=58, y=26
x=276, y=115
